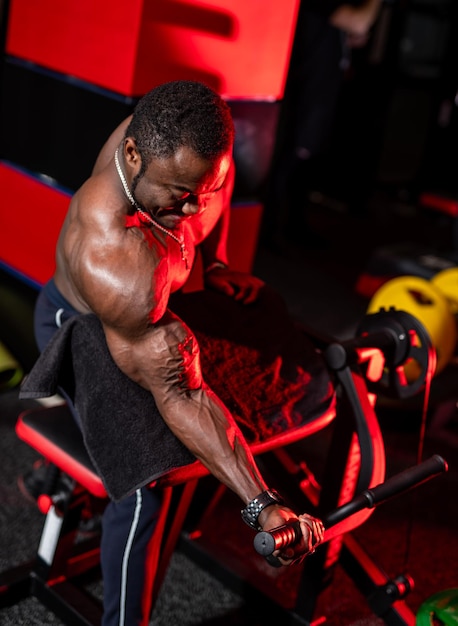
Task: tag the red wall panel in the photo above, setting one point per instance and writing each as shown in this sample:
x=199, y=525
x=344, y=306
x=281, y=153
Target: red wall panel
x=31, y=216
x=239, y=47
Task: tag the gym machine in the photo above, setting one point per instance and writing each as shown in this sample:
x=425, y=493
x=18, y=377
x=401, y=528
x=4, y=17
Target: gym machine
x=351, y=485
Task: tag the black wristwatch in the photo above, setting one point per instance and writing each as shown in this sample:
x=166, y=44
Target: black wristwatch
x=253, y=509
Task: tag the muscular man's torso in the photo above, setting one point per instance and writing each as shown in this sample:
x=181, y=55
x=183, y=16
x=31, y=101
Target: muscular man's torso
x=109, y=268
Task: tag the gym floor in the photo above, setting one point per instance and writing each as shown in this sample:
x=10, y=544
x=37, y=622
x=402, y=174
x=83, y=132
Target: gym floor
x=414, y=534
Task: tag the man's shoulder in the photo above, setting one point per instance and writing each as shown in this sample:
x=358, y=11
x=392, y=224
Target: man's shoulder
x=98, y=202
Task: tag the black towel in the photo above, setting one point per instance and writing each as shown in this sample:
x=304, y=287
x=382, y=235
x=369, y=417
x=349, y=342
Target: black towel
x=265, y=370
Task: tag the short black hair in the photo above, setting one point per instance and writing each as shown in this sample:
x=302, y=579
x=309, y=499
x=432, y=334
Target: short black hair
x=181, y=113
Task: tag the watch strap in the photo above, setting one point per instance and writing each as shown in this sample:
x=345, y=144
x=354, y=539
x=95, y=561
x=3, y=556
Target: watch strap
x=253, y=509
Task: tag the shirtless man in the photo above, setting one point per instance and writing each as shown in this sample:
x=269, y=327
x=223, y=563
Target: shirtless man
x=160, y=186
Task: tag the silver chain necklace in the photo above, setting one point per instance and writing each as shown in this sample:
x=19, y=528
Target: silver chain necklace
x=146, y=216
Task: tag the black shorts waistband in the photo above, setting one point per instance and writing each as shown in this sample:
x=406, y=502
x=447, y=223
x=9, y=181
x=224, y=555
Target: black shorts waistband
x=56, y=298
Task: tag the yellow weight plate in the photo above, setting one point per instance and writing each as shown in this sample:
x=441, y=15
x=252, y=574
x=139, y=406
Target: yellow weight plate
x=447, y=283
x=428, y=305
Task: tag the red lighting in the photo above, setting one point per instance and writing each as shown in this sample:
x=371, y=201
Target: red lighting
x=239, y=48
x=42, y=208
x=376, y=362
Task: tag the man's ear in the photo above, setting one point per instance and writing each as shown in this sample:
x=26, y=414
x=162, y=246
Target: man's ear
x=132, y=156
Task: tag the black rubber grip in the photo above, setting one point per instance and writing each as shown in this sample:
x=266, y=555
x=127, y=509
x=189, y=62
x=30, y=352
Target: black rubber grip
x=411, y=477
x=266, y=542
x=393, y=486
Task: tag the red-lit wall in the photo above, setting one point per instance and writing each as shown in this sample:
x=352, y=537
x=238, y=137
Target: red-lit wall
x=31, y=216
x=239, y=47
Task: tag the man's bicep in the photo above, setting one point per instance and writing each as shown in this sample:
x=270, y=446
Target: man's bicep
x=124, y=282
x=164, y=358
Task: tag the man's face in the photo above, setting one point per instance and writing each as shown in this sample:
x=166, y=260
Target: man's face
x=178, y=187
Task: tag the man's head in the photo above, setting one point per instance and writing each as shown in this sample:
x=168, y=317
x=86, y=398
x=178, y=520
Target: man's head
x=181, y=113
x=178, y=147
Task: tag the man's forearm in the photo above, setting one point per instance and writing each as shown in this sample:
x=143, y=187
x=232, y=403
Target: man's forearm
x=205, y=426
x=214, y=247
